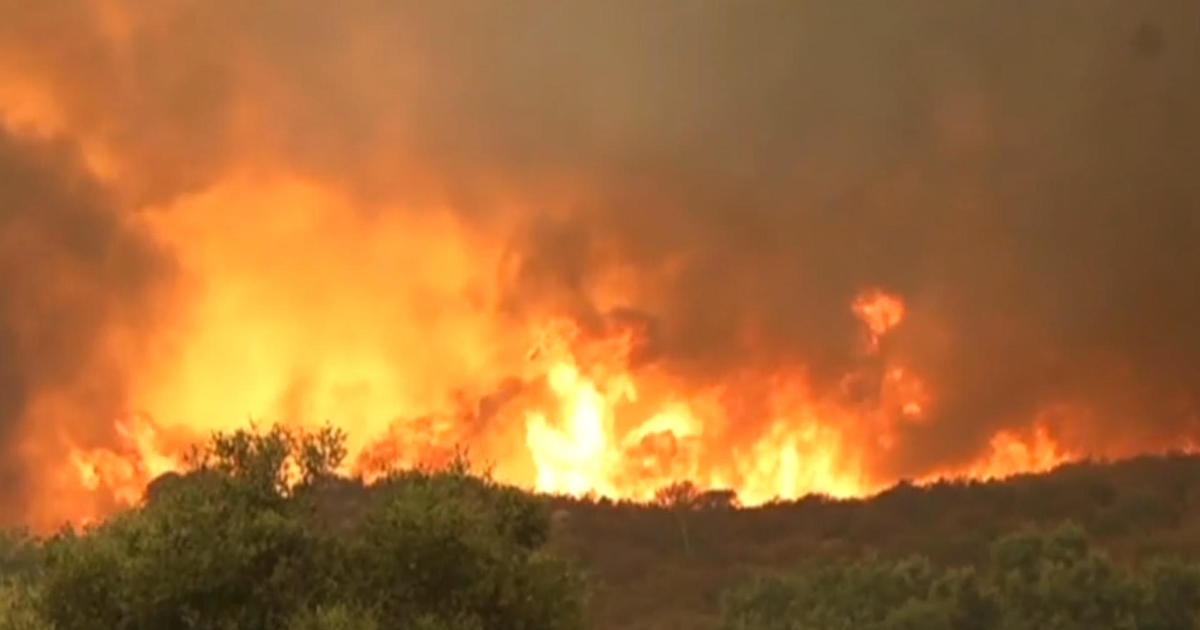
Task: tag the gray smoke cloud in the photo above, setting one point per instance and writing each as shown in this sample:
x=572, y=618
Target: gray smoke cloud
x=1020, y=172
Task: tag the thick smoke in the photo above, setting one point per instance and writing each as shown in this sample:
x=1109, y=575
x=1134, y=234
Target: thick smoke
x=74, y=282
x=1020, y=172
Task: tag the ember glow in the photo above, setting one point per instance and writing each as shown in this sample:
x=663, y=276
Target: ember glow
x=776, y=249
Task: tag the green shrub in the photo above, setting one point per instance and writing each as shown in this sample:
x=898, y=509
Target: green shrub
x=20, y=555
x=1033, y=580
x=335, y=617
x=18, y=608
x=239, y=544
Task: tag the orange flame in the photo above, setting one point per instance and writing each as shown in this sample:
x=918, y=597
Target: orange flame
x=393, y=334
x=121, y=473
x=1011, y=453
x=599, y=427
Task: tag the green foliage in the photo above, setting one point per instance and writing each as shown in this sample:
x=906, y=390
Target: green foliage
x=262, y=534
x=20, y=564
x=269, y=466
x=431, y=534
x=237, y=544
x=1135, y=509
x=336, y=617
x=1033, y=580
x=18, y=607
x=20, y=555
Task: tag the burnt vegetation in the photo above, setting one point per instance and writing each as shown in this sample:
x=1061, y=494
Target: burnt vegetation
x=260, y=533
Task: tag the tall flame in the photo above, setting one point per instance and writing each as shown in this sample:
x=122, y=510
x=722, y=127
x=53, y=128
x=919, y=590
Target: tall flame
x=592, y=424
x=340, y=334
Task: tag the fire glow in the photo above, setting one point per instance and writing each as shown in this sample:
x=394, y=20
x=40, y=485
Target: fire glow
x=602, y=251
x=587, y=422
x=391, y=333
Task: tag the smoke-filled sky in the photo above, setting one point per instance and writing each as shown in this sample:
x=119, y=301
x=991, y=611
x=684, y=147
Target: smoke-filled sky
x=1021, y=174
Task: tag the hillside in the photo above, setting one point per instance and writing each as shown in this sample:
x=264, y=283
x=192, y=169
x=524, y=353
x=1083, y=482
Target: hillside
x=404, y=548
x=643, y=577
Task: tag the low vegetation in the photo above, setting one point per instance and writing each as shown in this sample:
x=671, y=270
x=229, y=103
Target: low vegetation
x=647, y=576
x=260, y=534
x=1031, y=580
x=247, y=541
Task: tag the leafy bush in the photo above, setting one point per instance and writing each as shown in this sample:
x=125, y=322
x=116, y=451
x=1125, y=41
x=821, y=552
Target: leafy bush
x=245, y=541
x=20, y=555
x=1033, y=580
x=20, y=563
x=18, y=608
x=337, y=617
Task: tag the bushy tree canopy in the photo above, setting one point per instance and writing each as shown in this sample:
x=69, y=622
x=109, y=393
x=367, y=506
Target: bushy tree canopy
x=261, y=534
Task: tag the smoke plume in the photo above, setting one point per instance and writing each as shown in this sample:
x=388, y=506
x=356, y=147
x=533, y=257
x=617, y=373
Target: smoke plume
x=75, y=281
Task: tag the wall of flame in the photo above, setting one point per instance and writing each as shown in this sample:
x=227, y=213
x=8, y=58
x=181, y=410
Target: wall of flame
x=779, y=248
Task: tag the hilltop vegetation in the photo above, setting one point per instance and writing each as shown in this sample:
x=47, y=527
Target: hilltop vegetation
x=646, y=576
x=260, y=534
x=246, y=542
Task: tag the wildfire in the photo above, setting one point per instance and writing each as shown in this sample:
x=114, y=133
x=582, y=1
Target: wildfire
x=1009, y=453
x=592, y=423
x=120, y=474
x=405, y=224
x=142, y=455
x=393, y=334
